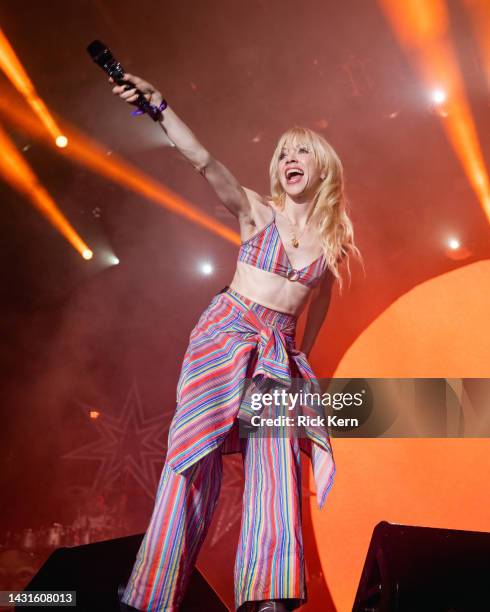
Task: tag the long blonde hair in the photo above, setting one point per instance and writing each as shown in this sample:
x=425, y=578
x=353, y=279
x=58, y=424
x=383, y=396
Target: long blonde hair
x=330, y=203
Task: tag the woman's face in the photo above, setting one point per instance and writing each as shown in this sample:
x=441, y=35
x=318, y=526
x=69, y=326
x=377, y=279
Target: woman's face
x=299, y=173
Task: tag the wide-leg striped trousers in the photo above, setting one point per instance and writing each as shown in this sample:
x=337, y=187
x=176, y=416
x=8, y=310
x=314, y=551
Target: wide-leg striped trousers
x=269, y=561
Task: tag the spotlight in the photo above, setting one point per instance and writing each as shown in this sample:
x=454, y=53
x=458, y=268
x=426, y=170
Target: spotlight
x=61, y=141
x=206, y=268
x=94, y=414
x=87, y=254
x=438, y=102
x=115, y=260
x=438, y=96
x=455, y=250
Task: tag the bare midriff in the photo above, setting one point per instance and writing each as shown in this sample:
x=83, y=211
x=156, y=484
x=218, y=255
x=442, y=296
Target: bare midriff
x=269, y=289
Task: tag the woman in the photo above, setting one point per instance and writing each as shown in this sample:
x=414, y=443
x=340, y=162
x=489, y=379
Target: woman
x=292, y=244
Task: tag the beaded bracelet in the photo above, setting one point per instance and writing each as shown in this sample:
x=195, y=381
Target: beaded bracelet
x=155, y=111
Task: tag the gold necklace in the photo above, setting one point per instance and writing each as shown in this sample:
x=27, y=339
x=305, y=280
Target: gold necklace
x=294, y=236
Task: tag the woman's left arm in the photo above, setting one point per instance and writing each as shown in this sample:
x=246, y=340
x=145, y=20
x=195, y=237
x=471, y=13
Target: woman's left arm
x=317, y=311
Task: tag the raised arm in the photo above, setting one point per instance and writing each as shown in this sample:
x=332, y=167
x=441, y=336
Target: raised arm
x=227, y=188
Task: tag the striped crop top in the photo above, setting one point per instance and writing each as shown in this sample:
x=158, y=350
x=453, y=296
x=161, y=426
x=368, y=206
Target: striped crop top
x=266, y=251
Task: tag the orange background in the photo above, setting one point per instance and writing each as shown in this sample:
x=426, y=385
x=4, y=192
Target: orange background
x=439, y=328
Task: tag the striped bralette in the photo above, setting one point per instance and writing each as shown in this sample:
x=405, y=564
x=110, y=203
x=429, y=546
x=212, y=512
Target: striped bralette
x=266, y=251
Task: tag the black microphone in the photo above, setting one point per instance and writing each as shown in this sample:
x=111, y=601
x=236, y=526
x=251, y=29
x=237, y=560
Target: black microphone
x=103, y=57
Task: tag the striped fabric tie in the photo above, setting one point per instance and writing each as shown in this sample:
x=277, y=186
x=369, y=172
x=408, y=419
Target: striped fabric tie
x=237, y=349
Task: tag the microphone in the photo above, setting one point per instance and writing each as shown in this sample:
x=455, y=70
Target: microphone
x=103, y=57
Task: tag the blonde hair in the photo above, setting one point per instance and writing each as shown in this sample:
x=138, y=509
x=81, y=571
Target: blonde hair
x=330, y=204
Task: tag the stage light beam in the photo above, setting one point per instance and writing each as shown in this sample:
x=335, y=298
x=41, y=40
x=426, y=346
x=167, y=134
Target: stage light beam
x=422, y=29
x=12, y=66
x=19, y=175
x=92, y=155
x=479, y=12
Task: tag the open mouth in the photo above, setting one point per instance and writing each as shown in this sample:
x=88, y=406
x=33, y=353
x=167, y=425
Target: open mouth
x=293, y=175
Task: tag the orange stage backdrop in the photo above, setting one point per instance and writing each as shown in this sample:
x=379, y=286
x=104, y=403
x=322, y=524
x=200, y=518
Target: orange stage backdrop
x=438, y=329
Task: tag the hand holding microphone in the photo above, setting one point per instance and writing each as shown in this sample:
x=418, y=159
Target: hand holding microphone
x=133, y=88
x=130, y=88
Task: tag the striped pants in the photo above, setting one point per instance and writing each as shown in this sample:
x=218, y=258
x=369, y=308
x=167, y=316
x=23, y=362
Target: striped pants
x=269, y=561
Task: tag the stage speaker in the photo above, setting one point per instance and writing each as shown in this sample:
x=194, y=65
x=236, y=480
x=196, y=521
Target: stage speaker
x=94, y=571
x=424, y=569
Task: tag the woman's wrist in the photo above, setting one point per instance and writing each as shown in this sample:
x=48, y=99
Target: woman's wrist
x=156, y=98
x=159, y=103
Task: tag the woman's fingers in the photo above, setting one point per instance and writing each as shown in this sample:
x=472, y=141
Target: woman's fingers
x=129, y=90
x=131, y=77
x=134, y=80
x=128, y=94
x=122, y=89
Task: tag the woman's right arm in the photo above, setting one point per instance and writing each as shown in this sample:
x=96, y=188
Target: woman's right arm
x=228, y=189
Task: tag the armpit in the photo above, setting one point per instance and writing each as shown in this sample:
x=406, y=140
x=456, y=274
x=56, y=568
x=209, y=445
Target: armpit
x=260, y=207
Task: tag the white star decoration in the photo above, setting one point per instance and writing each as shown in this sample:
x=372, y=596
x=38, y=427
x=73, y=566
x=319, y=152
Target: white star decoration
x=129, y=444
